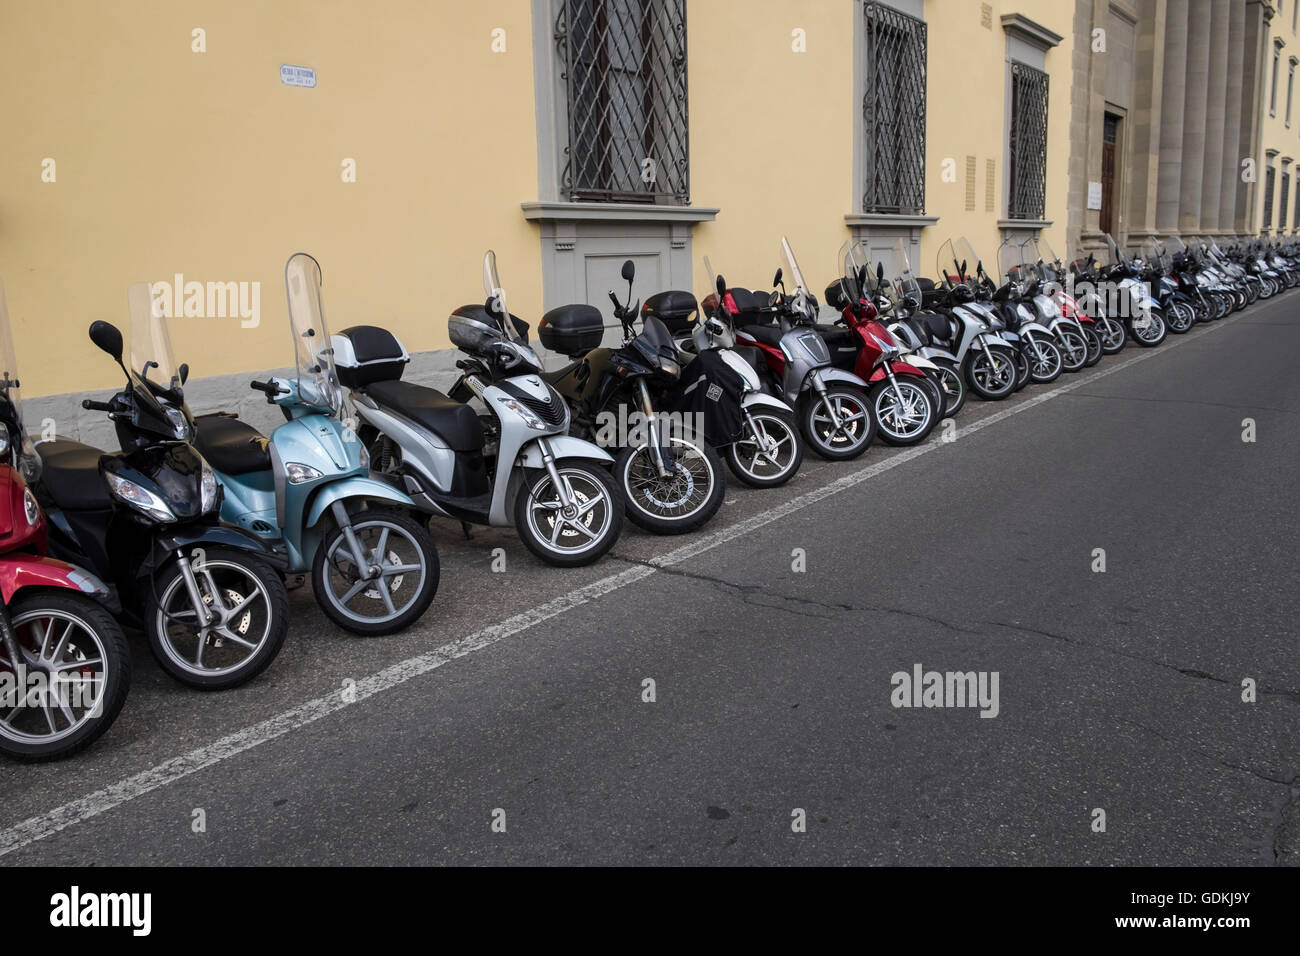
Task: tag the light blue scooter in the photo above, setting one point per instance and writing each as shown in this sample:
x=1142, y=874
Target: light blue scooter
x=374, y=568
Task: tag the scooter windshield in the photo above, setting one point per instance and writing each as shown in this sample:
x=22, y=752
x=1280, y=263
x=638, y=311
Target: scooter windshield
x=17, y=446
x=793, y=265
x=958, y=263
x=1011, y=262
x=317, y=383
x=1034, y=259
x=496, y=296
x=151, y=355
x=856, y=277
x=9, y=383
x=904, y=277
x=1117, y=258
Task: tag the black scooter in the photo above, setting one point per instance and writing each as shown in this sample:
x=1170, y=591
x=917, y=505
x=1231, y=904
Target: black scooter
x=145, y=521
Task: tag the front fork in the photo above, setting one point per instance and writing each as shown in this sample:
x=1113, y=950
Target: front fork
x=561, y=487
x=10, y=641
x=652, y=420
x=818, y=386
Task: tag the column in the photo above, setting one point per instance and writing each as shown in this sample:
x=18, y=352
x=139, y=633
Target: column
x=1232, y=118
x=1192, y=184
x=1171, y=117
x=1216, y=101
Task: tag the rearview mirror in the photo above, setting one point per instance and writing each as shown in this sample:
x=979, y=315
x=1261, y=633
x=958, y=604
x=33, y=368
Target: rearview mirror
x=183, y=373
x=629, y=270
x=722, y=287
x=776, y=279
x=880, y=272
x=108, y=338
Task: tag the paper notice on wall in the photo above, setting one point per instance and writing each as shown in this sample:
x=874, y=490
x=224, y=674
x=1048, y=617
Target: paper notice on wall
x=1094, y=195
x=297, y=75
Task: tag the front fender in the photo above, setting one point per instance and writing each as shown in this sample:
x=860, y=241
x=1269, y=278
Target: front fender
x=562, y=446
x=762, y=398
x=839, y=376
x=222, y=535
x=33, y=572
x=364, y=488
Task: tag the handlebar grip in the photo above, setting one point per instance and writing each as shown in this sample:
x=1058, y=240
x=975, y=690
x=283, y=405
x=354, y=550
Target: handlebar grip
x=91, y=405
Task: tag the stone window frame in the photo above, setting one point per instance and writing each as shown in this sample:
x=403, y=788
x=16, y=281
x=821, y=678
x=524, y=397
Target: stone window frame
x=1290, y=86
x=1027, y=42
x=1278, y=44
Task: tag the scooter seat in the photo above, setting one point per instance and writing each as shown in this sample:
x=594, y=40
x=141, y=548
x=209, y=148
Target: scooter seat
x=70, y=475
x=767, y=333
x=455, y=423
x=230, y=446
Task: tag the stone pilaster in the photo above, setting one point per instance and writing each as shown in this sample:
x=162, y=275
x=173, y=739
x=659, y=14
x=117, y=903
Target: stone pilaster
x=1192, y=181
x=1215, y=103
x=1231, y=159
x=1171, y=116
x=1145, y=117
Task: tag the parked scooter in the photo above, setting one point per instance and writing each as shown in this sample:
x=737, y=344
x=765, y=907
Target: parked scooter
x=514, y=465
x=756, y=431
x=905, y=402
x=1038, y=345
x=959, y=263
x=832, y=404
x=950, y=331
x=1157, y=269
x=145, y=521
x=374, y=568
x=65, y=669
x=1130, y=300
x=1021, y=264
x=1052, y=276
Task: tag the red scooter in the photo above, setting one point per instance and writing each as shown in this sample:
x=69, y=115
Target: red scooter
x=65, y=669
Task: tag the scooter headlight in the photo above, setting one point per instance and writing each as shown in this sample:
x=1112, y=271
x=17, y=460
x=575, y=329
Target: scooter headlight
x=181, y=426
x=139, y=497
x=525, y=414
x=30, y=508
x=208, y=487
x=299, y=473
x=4, y=440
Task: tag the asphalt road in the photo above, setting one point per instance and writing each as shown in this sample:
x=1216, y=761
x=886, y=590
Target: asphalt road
x=519, y=698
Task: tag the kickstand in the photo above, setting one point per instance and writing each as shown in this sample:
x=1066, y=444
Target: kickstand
x=465, y=526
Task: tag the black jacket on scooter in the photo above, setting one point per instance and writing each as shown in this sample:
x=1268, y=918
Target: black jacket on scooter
x=710, y=388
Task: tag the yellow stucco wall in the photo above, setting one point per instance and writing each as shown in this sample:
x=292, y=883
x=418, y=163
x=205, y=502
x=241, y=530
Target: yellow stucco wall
x=1275, y=134
x=206, y=164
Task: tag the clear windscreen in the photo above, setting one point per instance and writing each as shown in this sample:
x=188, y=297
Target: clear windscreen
x=8, y=359
x=496, y=296
x=1112, y=251
x=1011, y=263
x=312, y=353
x=151, y=344
x=1034, y=260
x=1154, y=254
x=793, y=265
x=904, y=277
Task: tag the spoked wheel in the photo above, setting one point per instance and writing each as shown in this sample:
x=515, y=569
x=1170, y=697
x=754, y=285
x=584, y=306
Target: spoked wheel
x=1181, y=317
x=902, y=409
x=1094, y=345
x=1074, y=348
x=771, y=457
x=383, y=585
x=580, y=533
x=247, y=619
x=818, y=417
x=991, y=373
x=1044, y=360
x=1151, y=332
x=682, y=500
x=1112, y=335
x=952, y=386
x=926, y=381
x=77, y=673
x=1022, y=369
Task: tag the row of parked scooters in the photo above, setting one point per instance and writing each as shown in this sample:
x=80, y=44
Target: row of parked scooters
x=190, y=531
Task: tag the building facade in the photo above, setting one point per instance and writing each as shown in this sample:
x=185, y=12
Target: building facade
x=207, y=142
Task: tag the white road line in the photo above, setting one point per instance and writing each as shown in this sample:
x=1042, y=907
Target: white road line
x=77, y=811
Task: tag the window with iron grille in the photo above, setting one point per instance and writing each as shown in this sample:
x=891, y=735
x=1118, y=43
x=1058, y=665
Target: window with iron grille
x=623, y=64
x=1295, y=222
x=1269, y=174
x=893, y=112
x=1284, y=203
x=1027, y=153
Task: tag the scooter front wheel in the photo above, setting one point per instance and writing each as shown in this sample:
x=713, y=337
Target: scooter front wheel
x=1152, y=332
x=902, y=410
x=683, y=499
x=952, y=386
x=247, y=610
x=1181, y=317
x=991, y=373
x=576, y=535
x=1074, y=348
x=1094, y=346
x=1044, y=360
x=397, y=582
x=770, y=458
x=818, y=414
x=1113, y=336
x=86, y=666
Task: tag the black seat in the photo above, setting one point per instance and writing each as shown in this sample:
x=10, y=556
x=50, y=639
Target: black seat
x=747, y=301
x=455, y=423
x=70, y=475
x=767, y=333
x=230, y=446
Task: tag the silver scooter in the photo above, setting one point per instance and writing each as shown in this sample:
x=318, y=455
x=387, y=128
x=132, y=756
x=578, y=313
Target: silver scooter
x=515, y=465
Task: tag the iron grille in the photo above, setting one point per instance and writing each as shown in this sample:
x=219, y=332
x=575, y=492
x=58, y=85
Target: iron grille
x=1269, y=175
x=623, y=63
x=893, y=112
x=1028, y=152
x=1283, y=206
x=1295, y=222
